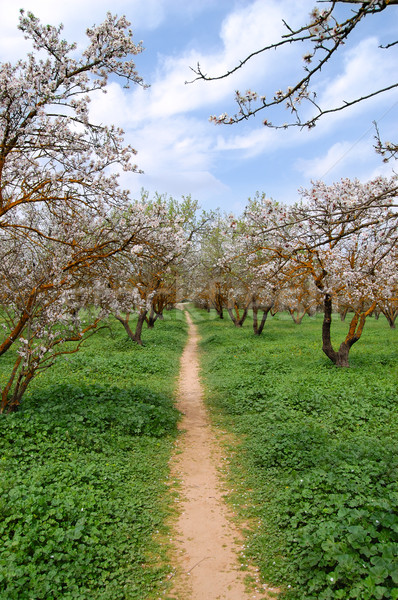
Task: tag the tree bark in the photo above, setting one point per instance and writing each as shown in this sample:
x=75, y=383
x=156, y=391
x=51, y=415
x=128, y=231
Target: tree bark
x=326, y=329
x=151, y=318
x=19, y=327
x=297, y=318
x=391, y=316
x=343, y=314
x=340, y=358
x=136, y=335
x=218, y=305
x=5, y=400
x=237, y=319
x=258, y=329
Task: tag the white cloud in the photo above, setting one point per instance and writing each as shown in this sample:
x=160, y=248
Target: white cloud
x=260, y=141
x=240, y=35
x=177, y=157
x=177, y=143
x=201, y=185
x=179, y=150
x=385, y=169
x=336, y=158
x=344, y=158
x=363, y=69
x=76, y=16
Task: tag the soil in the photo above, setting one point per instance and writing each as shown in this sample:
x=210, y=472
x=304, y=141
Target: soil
x=208, y=546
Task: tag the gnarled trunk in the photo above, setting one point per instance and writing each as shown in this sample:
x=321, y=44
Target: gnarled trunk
x=236, y=317
x=297, y=316
x=258, y=328
x=340, y=357
x=136, y=335
x=218, y=303
x=391, y=315
x=151, y=318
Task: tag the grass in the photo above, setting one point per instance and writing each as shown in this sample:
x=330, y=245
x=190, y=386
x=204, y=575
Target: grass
x=316, y=472
x=83, y=464
x=83, y=471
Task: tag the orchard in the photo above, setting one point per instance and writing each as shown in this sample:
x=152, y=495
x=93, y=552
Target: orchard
x=85, y=265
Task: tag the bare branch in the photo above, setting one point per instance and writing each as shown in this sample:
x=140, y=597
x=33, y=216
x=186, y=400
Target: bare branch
x=327, y=34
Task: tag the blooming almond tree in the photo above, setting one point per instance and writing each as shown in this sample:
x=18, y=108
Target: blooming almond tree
x=205, y=280
x=44, y=284
x=265, y=222
x=236, y=270
x=346, y=241
x=388, y=303
x=229, y=266
x=389, y=308
x=58, y=187
x=141, y=274
x=300, y=300
x=50, y=152
x=40, y=283
x=53, y=160
x=341, y=237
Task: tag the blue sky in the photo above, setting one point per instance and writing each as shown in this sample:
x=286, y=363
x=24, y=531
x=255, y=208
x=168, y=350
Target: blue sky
x=183, y=153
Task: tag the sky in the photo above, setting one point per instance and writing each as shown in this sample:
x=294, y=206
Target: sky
x=180, y=151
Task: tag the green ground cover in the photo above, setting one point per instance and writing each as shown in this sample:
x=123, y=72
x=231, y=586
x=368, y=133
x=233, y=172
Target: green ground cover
x=83, y=467
x=316, y=473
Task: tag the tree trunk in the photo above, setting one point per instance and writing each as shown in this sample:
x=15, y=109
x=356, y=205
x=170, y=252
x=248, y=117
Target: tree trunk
x=236, y=318
x=340, y=358
x=218, y=305
x=255, y=318
x=391, y=316
x=327, y=346
x=258, y=329
x=139, y=326
x=136, y=335
x=343, y=314
x=342, y=355
x=297, y=318
x=6, y=401
x=20, y=326
x=151, y=318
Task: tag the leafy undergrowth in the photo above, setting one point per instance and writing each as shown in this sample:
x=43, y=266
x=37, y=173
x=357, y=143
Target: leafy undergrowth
x=319, y=454
x=83, y=467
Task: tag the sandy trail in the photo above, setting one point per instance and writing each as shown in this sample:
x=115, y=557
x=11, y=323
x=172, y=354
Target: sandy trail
x=206, y=541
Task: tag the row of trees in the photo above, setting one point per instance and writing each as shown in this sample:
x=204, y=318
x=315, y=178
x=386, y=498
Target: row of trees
x=339, y=245
x=74, y=248
x=336, y=249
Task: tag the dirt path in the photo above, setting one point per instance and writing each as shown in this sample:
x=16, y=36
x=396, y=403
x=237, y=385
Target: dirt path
x=206, y=540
